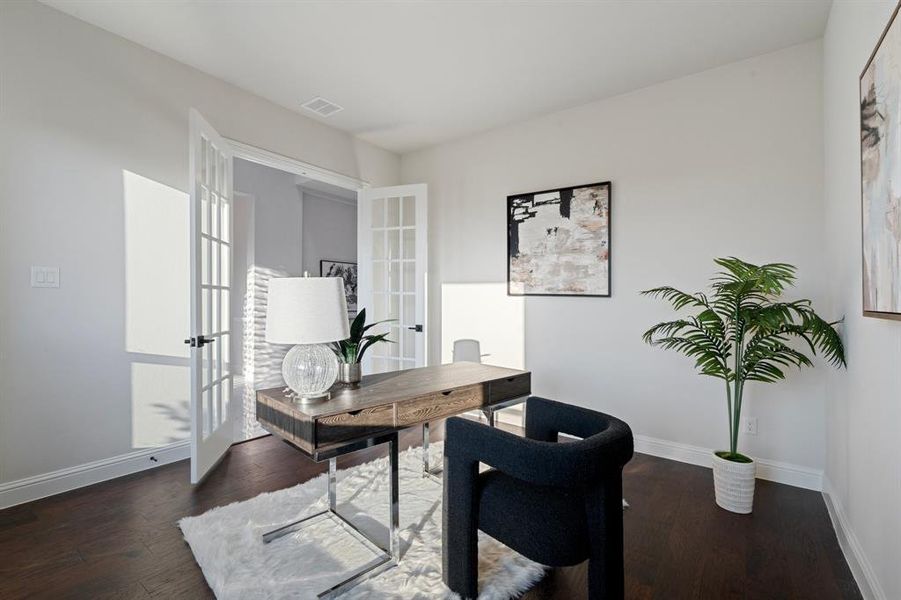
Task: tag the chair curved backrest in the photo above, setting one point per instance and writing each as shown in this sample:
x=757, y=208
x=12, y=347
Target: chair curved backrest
x=467, y=350
x=582, y=479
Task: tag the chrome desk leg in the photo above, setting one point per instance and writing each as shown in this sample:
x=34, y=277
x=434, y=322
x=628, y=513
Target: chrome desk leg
x=394, y=519
x=489, y=415
x=332, y=481
x=425, y=450
x=385, y=558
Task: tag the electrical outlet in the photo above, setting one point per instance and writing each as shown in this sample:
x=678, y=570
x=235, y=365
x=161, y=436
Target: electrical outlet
x=749, y=425
x=45, y=277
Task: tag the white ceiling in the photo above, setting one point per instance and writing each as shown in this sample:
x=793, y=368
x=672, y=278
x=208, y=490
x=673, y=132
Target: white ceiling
x=414, y=74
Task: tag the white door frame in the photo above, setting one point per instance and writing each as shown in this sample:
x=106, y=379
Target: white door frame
x=280, y=162
x=297, y=167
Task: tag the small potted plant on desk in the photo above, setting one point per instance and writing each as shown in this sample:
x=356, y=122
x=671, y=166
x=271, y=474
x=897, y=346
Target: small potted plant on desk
x=350, y=351
x=740, y=333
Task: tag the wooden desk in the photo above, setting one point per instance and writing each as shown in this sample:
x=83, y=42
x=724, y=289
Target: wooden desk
x=386, y=402
x=372, y=414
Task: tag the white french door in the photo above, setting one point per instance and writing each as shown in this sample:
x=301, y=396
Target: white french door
x=210, y=172
x=392, y=249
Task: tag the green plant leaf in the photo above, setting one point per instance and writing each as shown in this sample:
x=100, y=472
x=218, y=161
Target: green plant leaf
x=742, y=331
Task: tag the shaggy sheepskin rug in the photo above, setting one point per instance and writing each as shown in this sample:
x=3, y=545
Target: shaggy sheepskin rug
x=227, y=541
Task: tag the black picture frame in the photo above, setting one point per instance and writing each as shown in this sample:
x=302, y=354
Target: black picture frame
x=323, y=272
x=512, y=238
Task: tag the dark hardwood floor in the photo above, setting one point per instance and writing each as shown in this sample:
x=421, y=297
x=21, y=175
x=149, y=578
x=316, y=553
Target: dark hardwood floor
x=119, y=539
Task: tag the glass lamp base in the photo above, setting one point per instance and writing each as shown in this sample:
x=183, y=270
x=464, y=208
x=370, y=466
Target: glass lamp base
x=310, y=370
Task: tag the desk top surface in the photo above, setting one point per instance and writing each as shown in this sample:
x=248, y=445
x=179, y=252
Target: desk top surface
x=387, y=388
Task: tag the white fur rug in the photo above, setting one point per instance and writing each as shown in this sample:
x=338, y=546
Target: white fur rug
x=227, y=543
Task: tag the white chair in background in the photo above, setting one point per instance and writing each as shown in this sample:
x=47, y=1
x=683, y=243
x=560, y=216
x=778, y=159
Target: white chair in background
x=467, y=350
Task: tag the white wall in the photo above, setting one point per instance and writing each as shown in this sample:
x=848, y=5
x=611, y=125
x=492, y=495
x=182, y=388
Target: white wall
x=329, y=231
x=724, y=162
x=863, y=477
x=81, y=109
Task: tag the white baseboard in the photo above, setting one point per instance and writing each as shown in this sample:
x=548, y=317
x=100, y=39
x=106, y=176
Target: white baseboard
x=857, y=561
x=770, y=470
x=64, y=480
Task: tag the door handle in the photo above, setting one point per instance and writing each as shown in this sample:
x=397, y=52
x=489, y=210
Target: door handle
x=416, y=328
x=197, y=342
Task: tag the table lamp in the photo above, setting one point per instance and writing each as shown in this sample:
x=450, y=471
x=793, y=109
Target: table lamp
x=308, y=312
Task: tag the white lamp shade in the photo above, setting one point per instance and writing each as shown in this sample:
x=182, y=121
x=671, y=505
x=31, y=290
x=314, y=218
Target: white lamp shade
x=306, y=310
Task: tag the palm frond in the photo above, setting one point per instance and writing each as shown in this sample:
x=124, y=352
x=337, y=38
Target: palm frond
x=742, y=331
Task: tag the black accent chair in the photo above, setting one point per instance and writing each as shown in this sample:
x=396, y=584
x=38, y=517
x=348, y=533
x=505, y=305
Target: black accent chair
x=555, y=503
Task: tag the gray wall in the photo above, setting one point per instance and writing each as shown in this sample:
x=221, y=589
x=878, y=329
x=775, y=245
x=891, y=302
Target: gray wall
x=278, y=216
x=724, y=162
x=863, y=417
x=329, y=231
x=94, y=132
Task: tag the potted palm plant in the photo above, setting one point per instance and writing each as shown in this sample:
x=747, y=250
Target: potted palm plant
x=742, y=332
x=350, y=351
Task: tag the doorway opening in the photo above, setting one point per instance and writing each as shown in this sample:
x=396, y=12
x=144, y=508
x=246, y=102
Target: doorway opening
x=287, y=222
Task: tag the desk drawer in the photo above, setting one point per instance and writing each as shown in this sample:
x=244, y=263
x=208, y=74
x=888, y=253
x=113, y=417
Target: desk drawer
x=354, y=424
x=440, y=405
x=509, y=388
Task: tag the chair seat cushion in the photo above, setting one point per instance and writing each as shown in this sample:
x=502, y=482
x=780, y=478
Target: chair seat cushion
x=544, y=524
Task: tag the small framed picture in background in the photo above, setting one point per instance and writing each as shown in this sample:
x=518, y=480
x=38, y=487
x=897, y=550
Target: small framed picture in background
x=346, y=271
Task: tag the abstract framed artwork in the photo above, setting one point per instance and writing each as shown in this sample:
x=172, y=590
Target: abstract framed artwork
x=880, y=170
x=558, y=242
x=346, y=271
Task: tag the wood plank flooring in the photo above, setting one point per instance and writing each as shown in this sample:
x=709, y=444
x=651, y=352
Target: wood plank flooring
x=119, y=539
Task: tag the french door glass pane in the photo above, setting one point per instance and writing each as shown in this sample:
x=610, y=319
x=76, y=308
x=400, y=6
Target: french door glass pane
x=214, y=311
x=394, y=349
x=226, y=310
x=204, y=210
x=226, y=265
x=409, y=344
x=214, y=268
x=378, y=245
x=225, y=232
x=378, y=212
x=393, y=307
x=205, y=261
x=392, y=213
x=409, y=269
x=225, y=340
x=207, y=401
x=409, y=316
x=214, y=215
x=393, y=250
x=409, y=243
x=205, y=310
x=394, y=276
x=379, y=307
x=409, y=212
x=378, y=276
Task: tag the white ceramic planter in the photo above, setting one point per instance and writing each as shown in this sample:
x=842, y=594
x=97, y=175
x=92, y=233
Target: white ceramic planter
x=734, y=484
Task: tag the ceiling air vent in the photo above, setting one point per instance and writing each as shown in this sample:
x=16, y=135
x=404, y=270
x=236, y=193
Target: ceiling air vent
x=322, y=107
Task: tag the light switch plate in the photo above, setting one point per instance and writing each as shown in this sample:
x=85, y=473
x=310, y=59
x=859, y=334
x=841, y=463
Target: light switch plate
x=45, y=277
